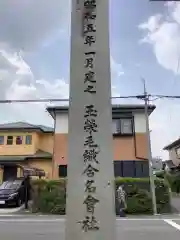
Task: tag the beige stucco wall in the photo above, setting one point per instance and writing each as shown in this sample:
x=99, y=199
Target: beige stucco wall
x=44, y=164
x=46, y=142
x=42, y=141
x=14, y=149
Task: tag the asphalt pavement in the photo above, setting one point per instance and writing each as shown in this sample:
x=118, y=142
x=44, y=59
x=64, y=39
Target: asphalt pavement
x=38, y=228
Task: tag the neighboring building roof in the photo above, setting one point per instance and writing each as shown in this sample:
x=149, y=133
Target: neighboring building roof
x=170, y=164
x=25, y=126
x=172, y=145
x=157, y=163
x=19, y=158
x=116, y=109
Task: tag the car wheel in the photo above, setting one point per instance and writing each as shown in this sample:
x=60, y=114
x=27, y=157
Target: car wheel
x=19, y=202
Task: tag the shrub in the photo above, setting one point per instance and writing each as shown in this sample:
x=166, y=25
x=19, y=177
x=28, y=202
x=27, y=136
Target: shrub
x=160, y=174
x=50, y=196
x=139, y=200
x=173, y=180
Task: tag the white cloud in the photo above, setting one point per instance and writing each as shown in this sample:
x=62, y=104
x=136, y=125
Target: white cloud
x=164, y=123
x=116, y=69
x=18, y=82
x=24, y=26
x=163, y=34
x=153, y=23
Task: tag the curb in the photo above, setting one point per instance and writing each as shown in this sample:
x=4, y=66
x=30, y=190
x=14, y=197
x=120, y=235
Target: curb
x=7, y=211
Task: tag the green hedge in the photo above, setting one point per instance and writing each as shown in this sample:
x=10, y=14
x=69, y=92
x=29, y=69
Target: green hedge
x=49, y=196
x=174, y=181
x=139, y=199
x=160, y=174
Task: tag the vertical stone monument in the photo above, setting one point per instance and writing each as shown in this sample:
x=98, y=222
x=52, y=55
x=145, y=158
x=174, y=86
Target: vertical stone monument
x=90, y=190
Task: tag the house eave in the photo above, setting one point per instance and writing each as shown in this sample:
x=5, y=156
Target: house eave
x=116, y=109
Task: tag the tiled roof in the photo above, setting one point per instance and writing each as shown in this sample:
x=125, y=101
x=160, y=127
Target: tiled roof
x=170, y=164
x=25, y=125
x=19, y=158
x=176, y=143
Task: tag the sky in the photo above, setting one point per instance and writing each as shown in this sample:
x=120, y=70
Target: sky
x=144, y=43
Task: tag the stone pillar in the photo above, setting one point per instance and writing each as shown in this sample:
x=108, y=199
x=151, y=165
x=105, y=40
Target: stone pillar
x=90, y=189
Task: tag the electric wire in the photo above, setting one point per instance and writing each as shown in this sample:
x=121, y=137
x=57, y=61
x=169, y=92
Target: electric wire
x=152, y=97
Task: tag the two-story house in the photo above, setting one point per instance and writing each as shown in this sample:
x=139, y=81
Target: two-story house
x=129, y=140
x=174, y=154
x=25, y=146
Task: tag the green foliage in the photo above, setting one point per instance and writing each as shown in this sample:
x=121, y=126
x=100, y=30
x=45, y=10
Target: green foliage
x=138, y=197
x=173, y=180
x=160, y=174
x=50, y=196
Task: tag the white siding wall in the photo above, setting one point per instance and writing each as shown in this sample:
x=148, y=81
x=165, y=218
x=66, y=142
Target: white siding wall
x=173, y=157
x=62, y=123
x=140, y=123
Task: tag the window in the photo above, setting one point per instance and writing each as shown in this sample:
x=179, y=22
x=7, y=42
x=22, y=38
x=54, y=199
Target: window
x=1, y=140
x=28, y=140
x=128, y=169
x=116, y=126
x=19, y=140
x=62, y=171
x=132, y=168
x=9, y=140
x=177, y=152
x=123, y=126
x=126, y=126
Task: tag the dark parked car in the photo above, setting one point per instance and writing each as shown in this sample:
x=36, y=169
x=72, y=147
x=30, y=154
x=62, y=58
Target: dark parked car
x=12, y=192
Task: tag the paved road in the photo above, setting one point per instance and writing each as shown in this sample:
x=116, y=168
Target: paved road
x=27, y=228
x=175, y=201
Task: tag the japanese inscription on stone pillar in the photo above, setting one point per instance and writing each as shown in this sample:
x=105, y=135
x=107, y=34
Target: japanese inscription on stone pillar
x=91, y=148
x=90, y=197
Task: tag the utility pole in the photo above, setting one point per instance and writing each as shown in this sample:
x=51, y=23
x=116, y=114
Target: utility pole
x=151, y=175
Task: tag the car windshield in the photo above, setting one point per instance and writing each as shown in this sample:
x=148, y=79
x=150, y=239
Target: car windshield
x=10, y=185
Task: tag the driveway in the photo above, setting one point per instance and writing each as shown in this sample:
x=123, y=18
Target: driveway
x=38, y=228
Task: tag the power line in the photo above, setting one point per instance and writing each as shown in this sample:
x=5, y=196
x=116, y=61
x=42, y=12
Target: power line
x=139, y=97
x=33, y=100
x=50, y=100
x=166, y=96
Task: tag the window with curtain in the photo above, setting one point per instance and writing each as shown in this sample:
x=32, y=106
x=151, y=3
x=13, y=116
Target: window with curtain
x=28, y=140
x=122, y=126
x=1, y=140
x=19, y=140
x=9, y=140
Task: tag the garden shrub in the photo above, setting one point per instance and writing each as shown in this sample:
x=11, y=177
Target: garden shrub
x=173, y=180
x=139, y=200
x=160, y=174
x=50, y=196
